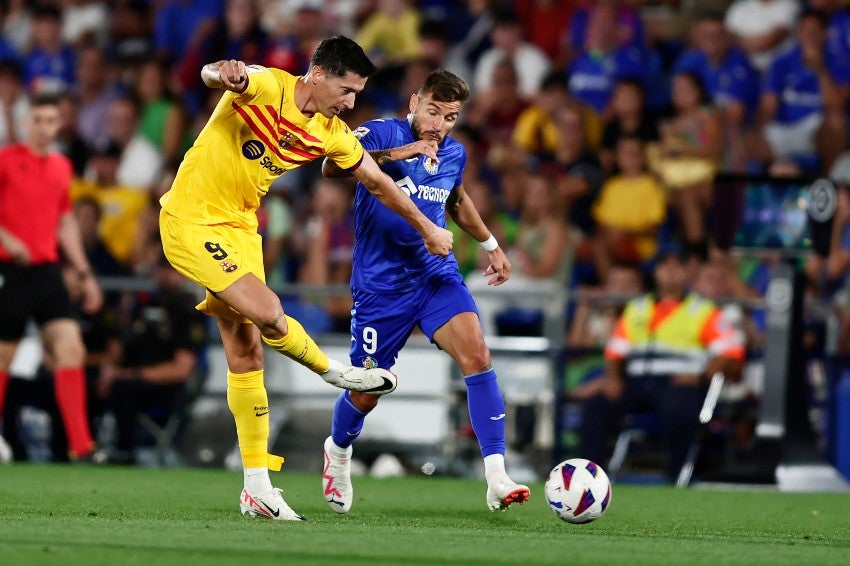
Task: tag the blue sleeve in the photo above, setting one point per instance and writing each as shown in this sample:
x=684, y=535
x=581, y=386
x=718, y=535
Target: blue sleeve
x=688, y=61
x=375, y=135
x=162, y=28
x=773, y=78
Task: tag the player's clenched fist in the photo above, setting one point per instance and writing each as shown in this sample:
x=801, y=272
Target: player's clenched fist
x=233, y=74
x=439, y=241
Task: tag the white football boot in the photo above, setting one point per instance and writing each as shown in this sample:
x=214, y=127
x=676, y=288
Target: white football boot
x=502, y=491
x=269, y=505
x=377, y=381
x=336, y=478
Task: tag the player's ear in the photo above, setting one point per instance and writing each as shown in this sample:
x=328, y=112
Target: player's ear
x=316, y=74
x=414, y=101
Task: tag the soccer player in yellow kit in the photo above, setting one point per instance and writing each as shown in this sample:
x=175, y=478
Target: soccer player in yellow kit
x=269, y=122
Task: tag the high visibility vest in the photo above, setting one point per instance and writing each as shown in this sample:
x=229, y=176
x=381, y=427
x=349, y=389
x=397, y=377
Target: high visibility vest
x=673, y=347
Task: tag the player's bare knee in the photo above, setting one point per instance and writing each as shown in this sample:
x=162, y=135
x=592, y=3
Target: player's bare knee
x=475, y=360
x=272, y=323
x=250, y=356
x=69, y=352
x=364, y=402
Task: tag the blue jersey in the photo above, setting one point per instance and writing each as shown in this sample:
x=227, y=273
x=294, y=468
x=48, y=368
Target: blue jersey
x=798, y=87
x=733, y=79
x=389, y=254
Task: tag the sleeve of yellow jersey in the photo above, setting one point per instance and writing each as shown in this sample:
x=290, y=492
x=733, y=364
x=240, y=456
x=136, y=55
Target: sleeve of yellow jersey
x=260, y=79
x=342, y=147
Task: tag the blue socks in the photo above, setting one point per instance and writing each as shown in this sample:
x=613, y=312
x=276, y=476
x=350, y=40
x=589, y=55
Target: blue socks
x=486, y=411
x=347, y=421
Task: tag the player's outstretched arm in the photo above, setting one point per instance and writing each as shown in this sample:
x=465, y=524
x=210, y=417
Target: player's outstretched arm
x=428, y=148
x=438, y=241
x=465, y=215
x=226, y=75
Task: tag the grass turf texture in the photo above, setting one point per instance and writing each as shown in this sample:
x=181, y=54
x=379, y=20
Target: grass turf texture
x=94, y=515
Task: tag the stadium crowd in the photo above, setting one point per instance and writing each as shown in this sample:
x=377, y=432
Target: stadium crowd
x=594, y=136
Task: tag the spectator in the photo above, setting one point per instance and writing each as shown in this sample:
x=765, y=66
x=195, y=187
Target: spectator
x=838, y=35
x=131, y=39
x=181, y=24
x=35, y=221
x=495, y=112
x=141, y=163
x=94, y=93
x=530, y=64
x=84, y=22
x=544, y=23
x=731, y=81
x=88, y=212
x=629, y=117
x=594, y=320
x=329, y=246
x=605, y=60
x=14, y=103
x=237, y=35
x=276, y=227
x=121, y=205
x=391, y=33
x=629, y=210
x=576, y=171
x=68, y=140
x=804, y=98
x=626, y=25
x=164, y=121
x=17, y=25
x=150, y=364
x=49, y=66
x=541, y=259
x=689, y=152
x=291, y=49
x=434, y=42
x=664, y=349
x=762, y=27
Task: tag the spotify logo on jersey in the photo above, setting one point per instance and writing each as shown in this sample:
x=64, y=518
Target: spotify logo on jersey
x=253, y=149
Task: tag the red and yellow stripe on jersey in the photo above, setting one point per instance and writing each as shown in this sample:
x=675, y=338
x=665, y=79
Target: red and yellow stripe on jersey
x=250, y=140
x=672, y=337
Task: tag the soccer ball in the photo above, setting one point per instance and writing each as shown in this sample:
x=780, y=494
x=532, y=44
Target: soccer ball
x=578, y=490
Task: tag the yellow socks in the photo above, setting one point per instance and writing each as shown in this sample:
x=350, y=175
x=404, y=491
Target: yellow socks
x=298, y=346
x=249, y=403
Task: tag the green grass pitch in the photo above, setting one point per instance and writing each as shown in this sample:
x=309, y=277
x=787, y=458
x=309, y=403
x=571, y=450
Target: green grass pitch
x=93, y=515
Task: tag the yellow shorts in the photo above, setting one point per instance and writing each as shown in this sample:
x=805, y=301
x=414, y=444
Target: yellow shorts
x=213, y=256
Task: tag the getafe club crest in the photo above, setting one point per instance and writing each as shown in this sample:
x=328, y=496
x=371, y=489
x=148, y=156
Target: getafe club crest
x=430, y=165
x=285, y=141
x=369, y=362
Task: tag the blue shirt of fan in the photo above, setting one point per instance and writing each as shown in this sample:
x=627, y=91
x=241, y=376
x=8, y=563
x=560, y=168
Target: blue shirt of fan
x=389, y=254
x=593, y=75
x=731, y=80
x=838, y=34
x=49, y=72
x=798, y=87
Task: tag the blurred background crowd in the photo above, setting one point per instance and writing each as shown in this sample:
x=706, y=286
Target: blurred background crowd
x=594, y=137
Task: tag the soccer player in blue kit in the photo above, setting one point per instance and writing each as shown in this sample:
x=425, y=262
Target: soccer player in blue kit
x=397, y=285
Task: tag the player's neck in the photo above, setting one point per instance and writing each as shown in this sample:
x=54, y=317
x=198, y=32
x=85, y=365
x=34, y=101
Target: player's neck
x=39, y=150
x=303, y=98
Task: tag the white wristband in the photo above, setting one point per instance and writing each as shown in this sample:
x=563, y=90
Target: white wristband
x=490, y=243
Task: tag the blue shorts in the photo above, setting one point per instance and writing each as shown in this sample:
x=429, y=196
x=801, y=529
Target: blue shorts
x=381, y=324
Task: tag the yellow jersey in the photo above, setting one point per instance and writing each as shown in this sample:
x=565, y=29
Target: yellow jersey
x=121, y=207
x=250, y=140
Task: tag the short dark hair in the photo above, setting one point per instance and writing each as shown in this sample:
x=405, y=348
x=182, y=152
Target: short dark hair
x=339, y=55
x=45, y=11
x=44, y=100
x=444, y=86
x=817, y=15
